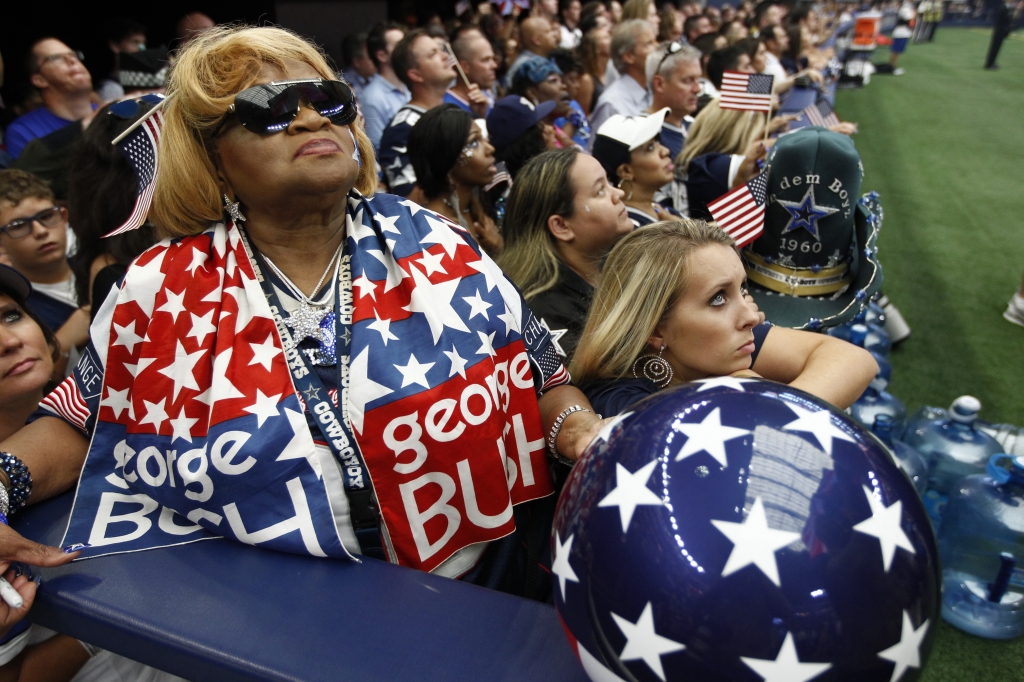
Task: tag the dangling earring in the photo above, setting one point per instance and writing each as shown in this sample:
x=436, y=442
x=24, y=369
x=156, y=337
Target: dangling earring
x=630, y=195
x=232, y=208
x=655, y=368
x=355, y=149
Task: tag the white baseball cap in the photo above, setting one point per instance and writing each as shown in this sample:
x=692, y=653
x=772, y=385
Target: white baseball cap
x=633, y=131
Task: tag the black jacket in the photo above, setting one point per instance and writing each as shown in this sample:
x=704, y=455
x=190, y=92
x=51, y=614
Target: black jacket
x=563, y=310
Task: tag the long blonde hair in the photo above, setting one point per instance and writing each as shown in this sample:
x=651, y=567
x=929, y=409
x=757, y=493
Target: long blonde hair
x=727, y=131
x=644, y=276
x=542, y=189
x=636, y=9
x=214, y=67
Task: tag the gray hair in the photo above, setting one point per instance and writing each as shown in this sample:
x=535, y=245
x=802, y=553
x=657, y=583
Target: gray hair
x=624, y=40
x=656, y=67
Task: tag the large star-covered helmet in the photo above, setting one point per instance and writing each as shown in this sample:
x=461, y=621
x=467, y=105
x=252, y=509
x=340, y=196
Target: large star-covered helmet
x=739, y=529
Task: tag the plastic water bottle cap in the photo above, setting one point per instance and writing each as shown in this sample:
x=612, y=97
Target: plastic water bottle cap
x=879, y=383
x=965, y=409
x=858, y=333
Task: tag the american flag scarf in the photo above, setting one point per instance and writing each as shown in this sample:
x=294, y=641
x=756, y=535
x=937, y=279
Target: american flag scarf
x=198, y=431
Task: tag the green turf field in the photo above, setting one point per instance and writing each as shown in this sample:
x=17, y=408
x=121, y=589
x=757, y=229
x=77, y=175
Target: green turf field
x=943, y=145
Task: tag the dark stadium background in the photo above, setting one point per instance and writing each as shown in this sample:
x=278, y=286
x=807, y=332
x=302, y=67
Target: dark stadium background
x=82, y=25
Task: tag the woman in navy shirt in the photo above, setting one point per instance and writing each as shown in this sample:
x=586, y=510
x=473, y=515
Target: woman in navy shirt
x=671, y=307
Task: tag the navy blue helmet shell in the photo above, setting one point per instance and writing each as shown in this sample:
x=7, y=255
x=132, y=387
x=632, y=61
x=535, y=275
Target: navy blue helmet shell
x=740, y=529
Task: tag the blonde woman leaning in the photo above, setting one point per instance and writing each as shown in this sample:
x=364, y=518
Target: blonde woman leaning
x=671, y=307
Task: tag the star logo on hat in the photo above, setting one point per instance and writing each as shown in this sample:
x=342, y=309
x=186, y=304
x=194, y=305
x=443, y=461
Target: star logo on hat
x=806, y=214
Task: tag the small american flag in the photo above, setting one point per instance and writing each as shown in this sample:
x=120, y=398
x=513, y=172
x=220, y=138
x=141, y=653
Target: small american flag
x=506, y=5
x=746, y=91
x=821, y=114
x=140, y=148
x=740, y=213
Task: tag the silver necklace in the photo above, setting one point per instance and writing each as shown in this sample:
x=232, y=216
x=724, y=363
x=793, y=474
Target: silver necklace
x=306, y=319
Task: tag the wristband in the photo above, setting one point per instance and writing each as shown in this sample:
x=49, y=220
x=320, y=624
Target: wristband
x=556, y=428
x=20, y=481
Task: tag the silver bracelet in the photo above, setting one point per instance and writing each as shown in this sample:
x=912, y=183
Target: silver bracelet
x=557, y=427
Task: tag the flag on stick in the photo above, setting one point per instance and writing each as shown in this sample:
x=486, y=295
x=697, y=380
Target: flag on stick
x=740, y=213
x=821, y=114
x=505, y=6
x=140, y=146
x=746, y=91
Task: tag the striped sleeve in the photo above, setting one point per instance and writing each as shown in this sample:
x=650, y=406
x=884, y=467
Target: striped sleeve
x=77, y=399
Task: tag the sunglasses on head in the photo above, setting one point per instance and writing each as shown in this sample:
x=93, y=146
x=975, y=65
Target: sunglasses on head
x=129, y=108
x=270, y=108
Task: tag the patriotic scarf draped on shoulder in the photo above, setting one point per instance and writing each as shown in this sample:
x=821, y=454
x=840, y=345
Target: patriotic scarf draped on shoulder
x=198, y=431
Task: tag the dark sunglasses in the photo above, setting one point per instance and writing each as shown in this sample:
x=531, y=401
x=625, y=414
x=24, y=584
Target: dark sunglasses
x=270, y=108
x=129, y=108
x=50, y=217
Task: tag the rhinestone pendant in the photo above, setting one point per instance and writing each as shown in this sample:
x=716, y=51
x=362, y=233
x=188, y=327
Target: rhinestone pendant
x=305, y=323
x=326, y=353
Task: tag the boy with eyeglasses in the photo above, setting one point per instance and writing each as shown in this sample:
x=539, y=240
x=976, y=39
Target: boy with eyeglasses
x=33, y=232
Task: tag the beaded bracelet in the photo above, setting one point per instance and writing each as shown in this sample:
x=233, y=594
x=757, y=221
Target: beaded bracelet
x=20, y=482
x=557, y=427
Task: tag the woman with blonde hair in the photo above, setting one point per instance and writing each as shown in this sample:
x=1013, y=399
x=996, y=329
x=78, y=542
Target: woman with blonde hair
x=671, y=307
x=562, y=218
x=356, y=335
x=722, y=151
x=642, y=9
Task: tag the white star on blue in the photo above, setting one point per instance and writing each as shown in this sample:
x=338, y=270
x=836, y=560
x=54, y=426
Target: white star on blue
x=806, y=214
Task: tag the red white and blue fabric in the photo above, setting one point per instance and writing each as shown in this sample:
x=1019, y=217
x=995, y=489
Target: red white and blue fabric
x=141, y=148
x=198, y=431
x=746, y=91
x=821, y=114
x=740, y=212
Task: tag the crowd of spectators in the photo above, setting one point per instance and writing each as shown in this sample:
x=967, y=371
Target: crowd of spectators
x=549, y=134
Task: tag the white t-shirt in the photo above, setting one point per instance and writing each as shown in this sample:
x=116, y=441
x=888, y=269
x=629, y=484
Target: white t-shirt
x=61, y=291
x=773, y=67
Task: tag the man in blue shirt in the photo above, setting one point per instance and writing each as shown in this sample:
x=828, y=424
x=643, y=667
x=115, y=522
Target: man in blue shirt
x=632, y=41
x=673, y=76
x=65, y=86
x=422, y=63
x=359, y=68
x=385, y=94
x=476, y=57
x=540, y=37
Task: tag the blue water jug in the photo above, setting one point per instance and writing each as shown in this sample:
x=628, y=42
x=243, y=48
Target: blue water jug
x=907, y=458
x=982, y=549
x=953, y=447
x=1007, y=435
x=874, y=314
x=876, y=338
x=923, y=416
x=877, y=401
x=858, y=336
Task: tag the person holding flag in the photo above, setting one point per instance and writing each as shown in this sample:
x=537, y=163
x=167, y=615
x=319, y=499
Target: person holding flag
x=724, y=150
x=303, y=356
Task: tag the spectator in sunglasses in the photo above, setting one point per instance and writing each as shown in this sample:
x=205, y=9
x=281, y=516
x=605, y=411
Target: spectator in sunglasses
x=63, y=82
x=284, y=268
x=33, y=232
